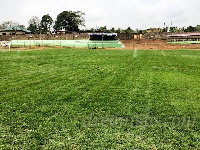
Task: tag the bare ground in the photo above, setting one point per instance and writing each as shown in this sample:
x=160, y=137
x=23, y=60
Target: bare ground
x=129, y=45
x=156, y=44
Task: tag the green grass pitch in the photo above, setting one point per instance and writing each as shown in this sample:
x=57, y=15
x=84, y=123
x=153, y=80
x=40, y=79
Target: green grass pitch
x=100, y=99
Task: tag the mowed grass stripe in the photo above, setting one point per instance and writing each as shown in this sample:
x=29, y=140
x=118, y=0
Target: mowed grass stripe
x=78, y=99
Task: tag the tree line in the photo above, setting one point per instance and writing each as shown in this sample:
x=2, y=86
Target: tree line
x=67, y=21
x=71, y=21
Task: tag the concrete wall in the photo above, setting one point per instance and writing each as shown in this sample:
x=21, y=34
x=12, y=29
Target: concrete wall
x=9, y=33
x=44, y=37
x=125, y=36
x=155, y=36
x=69, y=36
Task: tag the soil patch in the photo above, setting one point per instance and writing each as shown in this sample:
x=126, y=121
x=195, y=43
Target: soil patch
x=156, y=44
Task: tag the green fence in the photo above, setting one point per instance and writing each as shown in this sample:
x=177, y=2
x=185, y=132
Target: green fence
x=69, y=43
x=184, y=42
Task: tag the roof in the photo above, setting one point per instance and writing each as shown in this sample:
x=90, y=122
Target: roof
x=17, y=28
x=185, y=34
x=107, y=34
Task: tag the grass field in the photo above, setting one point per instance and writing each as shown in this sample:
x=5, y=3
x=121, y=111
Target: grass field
x=96, y=99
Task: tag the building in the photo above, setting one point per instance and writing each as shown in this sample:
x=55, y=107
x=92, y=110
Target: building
x=193, y=36
x=103, y=36
x=15, y=30
x=154, y=30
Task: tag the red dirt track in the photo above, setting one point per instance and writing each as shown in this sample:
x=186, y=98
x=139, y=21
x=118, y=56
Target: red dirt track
x=156, y=44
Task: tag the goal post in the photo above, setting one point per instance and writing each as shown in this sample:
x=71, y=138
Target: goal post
x=5, y=44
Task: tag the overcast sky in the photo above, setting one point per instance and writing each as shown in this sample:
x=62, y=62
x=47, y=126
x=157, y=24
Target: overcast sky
x=139, y=14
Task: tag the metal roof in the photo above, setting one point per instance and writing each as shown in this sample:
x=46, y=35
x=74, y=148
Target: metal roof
x=17, y=28
x=184, y=34
x=107, y=34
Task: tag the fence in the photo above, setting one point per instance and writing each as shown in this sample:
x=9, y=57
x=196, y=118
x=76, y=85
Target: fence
x=159, y=36
x=68, y=36
x=68, y=43
x=105, y=44
x=76, y=36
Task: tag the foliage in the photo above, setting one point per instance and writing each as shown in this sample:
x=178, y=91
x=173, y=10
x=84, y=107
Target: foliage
x=7, y=24
x=165, y=29
x=118, y=30
x=69, y=21
x=46, y=23
x=198, y=27
x=100, y=99
x=104, y=29
x=112, y=30
x=158, y=30
x=173, y=29
x=34, y=25
x=92, y=30
x=14, y=31
x=187, y=29
x=190, y=29
x=129, y=30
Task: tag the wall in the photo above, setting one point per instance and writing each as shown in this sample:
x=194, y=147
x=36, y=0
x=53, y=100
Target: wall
x=155, y=36
x=69, y=36
x=77, y=36
x=9, y=33
x=125, y=36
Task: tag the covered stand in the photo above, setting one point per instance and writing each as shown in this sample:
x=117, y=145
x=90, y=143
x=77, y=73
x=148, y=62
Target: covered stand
x=103, y=36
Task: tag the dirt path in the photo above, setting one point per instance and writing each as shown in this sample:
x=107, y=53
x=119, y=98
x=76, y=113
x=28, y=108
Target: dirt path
x=156, y=44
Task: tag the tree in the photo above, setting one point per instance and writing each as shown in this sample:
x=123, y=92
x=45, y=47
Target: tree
x=118, y=30
x=34, y=25
x=46, y=23
x=173, y=29
x=112, y=29
x=165, y=29
x=69, y=21
x=14, y=30
x=93, y=30
x=190, y=29
x=198, y=27
x=102, y=29
x=128, y=30
x=7, y=24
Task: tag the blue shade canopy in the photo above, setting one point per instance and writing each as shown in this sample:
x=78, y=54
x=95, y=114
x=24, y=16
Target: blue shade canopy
x=106, y=34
